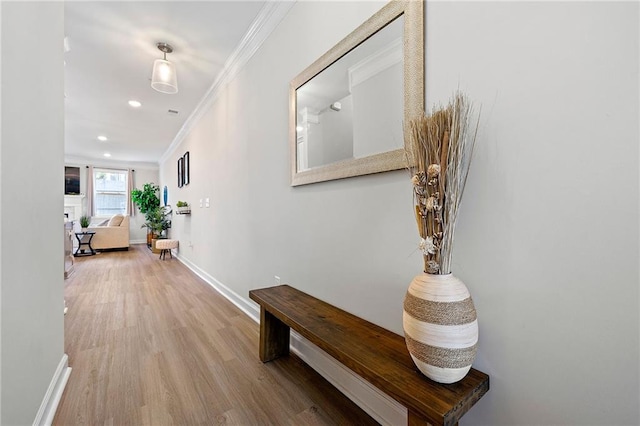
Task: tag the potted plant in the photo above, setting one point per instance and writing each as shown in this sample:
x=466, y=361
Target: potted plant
x=147, y=199
x=84, y=222
x=183, y=207
x=157, y=221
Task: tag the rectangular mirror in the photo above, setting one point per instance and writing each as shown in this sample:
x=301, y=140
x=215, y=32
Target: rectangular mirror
x=347, y=109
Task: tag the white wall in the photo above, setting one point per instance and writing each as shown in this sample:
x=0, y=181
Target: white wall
x=137, y=234
x=32, y=172
x=548, y=234
x=378, y=113
x=335, y=141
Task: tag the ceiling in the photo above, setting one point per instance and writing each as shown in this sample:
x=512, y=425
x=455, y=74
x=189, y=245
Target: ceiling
x=112, y=49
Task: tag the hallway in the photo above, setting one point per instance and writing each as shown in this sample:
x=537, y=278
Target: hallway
x=150, y=343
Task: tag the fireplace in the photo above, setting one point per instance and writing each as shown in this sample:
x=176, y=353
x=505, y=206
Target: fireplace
x=73, y=206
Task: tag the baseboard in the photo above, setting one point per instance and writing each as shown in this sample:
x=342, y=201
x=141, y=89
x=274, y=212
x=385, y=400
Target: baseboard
x=377, y=404
x=381, y=407
x=137, y=242
x=245, y=305
x=52, y=398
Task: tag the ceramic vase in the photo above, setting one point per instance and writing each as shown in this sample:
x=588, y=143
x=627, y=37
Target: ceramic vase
x=440, y=327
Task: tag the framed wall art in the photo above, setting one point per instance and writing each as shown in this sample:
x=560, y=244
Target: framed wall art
x=185, y=177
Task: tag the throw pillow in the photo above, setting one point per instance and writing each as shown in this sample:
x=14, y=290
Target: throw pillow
x=115, y=220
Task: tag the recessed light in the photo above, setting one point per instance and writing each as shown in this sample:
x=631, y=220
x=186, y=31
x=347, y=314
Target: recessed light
x=106, y=154
x=102, y=138
x=135, y=104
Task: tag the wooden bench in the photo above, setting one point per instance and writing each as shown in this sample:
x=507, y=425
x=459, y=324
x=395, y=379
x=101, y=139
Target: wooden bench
x=377, y=355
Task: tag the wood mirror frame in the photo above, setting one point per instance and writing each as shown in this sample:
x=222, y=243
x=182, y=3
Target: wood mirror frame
x=413, y=77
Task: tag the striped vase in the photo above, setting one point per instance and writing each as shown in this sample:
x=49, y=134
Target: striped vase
x=440, y=327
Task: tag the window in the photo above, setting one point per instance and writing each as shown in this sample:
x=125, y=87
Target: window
x=110, y=192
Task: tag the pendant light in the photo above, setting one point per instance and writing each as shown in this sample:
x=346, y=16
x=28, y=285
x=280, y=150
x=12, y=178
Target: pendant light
x=164, y=78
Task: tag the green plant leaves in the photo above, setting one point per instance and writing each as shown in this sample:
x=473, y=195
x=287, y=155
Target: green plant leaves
x=146, y=199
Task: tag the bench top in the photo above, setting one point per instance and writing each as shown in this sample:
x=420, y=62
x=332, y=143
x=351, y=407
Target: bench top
x=376, y=354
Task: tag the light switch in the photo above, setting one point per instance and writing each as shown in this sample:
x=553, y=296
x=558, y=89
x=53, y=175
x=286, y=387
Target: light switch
x=206, y=202
x=200, y=202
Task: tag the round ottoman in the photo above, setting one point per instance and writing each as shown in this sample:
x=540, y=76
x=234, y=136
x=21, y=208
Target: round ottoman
x=165, y=246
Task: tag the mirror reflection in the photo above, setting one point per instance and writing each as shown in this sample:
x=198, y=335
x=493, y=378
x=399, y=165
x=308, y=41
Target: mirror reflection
x=353, y=108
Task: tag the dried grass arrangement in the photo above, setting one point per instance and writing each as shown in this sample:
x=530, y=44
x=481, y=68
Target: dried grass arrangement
x=439, y=148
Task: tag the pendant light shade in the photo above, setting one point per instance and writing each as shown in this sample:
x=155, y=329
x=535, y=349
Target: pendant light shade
x=164, y=78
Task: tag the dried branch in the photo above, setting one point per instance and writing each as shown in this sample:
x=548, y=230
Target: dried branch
x=439, y=149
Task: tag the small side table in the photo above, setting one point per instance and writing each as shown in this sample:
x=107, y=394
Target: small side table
x=84, y=239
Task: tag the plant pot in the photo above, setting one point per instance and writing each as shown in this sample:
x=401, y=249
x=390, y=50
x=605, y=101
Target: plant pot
x=440, y=327
x=153, y=246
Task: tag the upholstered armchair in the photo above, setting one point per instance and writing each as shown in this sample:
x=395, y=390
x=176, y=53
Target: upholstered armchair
x=112, y=235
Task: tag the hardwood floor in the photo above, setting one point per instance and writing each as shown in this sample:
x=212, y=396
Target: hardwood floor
x=150, y=343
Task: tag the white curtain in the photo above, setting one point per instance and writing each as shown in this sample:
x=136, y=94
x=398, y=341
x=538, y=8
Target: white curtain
x=90, y=209
x=130, y=210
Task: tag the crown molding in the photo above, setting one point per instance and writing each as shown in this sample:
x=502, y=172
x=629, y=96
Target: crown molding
x=267, y=20
x=82, y=161
x=379, y=61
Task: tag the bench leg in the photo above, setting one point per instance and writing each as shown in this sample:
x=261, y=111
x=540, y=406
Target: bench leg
x=274, y=337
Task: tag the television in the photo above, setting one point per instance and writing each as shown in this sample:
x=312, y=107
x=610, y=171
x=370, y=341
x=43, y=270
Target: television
x=71, y=180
